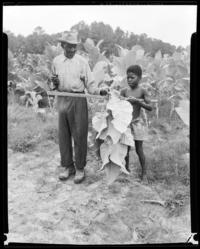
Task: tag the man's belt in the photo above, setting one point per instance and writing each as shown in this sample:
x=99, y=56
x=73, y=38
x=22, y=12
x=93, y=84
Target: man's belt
x=74, y=94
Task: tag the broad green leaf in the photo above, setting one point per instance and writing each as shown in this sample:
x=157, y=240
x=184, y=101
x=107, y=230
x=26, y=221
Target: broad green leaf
x=103, y=134
x=127, y=138
x=43, y=85
x=122, y=51
x=113, y=133
x=121, y=112
x=101, y=57
x=99, y=122
x=112, y=172
x=170, y=70
x=186, y=78
x=177, y=56
x=158, y=55
x=183, y=111
x=139, y=54
x=119, y=68
x=118, y=154
x=99, y=71
x=105, y=151
x=182, y=71
x=165, y=56
x=99, y=43
x=89, y=44
x=129, y=59
x=99, y=77
x=136, y=48
x=184, y=83
x=114, y=153
x=93, y=56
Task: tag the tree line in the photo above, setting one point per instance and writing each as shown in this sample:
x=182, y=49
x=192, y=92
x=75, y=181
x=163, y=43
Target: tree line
x=35, y=43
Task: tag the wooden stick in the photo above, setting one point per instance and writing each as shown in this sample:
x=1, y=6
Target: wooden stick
x=82, y=95
x=79, y=95
x=162, y=203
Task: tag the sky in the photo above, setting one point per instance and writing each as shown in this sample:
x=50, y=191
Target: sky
x=173, y=24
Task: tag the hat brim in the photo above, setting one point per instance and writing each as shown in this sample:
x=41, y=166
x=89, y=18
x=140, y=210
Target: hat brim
x=61, y=40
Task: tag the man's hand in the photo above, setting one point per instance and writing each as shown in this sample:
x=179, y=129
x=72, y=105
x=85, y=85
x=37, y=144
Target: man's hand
x=104, y=91
x=55, y=81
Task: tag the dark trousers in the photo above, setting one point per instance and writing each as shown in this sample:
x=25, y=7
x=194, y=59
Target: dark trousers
x=73, y=122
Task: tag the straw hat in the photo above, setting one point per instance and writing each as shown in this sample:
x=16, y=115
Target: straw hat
x=69, y=37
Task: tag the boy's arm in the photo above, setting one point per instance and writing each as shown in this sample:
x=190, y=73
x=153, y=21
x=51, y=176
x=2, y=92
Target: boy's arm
x=144, y=102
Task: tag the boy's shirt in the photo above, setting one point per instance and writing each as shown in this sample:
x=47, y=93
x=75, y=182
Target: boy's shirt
x=139, y=93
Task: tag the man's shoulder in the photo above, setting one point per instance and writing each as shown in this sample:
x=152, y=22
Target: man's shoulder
x=58, y=58
x=80, y=58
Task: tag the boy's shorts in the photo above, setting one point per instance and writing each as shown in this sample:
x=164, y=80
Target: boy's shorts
x=138, y=130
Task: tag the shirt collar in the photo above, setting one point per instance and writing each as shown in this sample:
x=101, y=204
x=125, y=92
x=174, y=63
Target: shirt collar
x=64, y=58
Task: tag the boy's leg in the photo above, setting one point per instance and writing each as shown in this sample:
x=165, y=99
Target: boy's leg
x=127, y=159
x=141, y=156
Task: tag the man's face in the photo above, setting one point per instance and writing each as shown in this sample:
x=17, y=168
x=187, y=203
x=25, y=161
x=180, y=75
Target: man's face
x=69, y=49
x=132, y=79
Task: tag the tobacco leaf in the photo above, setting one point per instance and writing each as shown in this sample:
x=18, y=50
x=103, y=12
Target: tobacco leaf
x=99, y=122
x=112, y=172
x=127, y=138
x=183, y=111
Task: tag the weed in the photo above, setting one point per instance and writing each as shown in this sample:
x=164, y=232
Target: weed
x=26, y=130
x=164, y=160
x=50, y=132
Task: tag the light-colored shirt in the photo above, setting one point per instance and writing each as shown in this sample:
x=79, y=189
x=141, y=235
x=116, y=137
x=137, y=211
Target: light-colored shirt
x=71, y=72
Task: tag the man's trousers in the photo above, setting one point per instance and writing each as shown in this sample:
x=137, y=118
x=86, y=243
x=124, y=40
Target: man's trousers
x=73, y=122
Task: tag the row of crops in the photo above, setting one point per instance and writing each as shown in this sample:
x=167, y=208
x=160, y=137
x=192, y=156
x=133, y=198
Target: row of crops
x=167, y=78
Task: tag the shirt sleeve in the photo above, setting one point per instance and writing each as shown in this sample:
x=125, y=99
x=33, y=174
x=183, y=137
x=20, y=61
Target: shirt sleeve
x=90, y=82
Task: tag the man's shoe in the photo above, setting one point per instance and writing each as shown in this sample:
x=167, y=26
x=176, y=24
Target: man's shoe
x=65, y=173
x=79, y=176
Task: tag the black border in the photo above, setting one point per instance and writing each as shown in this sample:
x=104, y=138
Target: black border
x=100, y=2
x=194, y=128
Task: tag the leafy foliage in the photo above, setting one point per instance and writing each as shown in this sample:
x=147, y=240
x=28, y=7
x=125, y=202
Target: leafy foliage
x=165, y=76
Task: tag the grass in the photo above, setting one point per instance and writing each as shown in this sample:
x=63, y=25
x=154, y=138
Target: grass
x=26, y=129
x=163, y=150
x=165, y=162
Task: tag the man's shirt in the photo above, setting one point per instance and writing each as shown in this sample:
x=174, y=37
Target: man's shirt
x=71, y=71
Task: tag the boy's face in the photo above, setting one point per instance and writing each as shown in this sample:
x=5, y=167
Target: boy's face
x=132, y=79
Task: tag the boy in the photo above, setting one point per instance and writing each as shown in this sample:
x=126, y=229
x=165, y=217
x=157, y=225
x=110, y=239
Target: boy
x=138, y=97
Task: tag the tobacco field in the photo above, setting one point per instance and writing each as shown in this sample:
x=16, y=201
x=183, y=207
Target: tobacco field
x=110, y=206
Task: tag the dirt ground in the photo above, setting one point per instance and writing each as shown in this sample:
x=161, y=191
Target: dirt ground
x=43, y=209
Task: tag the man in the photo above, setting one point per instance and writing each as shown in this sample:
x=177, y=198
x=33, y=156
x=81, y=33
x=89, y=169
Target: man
x=73, y=75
